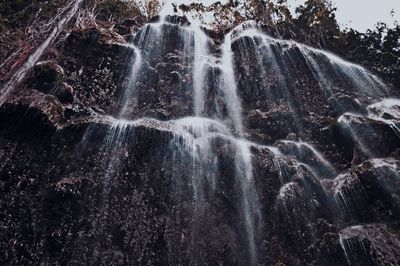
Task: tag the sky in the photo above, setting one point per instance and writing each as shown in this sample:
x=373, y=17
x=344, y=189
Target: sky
x=362, y=14
x=358, y=14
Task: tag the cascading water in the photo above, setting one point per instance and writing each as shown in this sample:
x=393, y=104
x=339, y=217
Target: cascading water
x=129, y=91
x=196, y=135
x=200, y=64
x=385, y=112
x=323, y=64
x=229, y=86
x=249, y=206
x=203, y=149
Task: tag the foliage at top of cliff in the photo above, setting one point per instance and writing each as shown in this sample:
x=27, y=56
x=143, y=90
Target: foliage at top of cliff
x=313, y=23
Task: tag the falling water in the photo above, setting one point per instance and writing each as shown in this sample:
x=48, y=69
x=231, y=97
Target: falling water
x=129, y=91
x=195, y=135
x=113, y=146
x=249, y=201
x=243, y=161
x=229, y=86
x=386, y=111
x=343, y=246
x=322, y=63
x=204, y=130
x=200, y=133
x=307, y=154
x=200, y=64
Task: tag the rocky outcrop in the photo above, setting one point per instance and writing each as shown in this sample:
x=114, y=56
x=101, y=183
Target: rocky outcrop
x=93, y=172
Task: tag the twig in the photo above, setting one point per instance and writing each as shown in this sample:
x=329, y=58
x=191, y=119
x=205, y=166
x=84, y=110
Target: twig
x=20, y=74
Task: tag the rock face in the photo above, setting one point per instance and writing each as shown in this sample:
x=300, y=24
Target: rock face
x=175, y=148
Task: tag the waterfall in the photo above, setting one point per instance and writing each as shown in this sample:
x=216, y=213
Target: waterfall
x=196, y=137
x=307, y=154
x=200, y=132
x=249, y=200
x=158, y=141
x=129, y=91
x=384, y=112
x=200, y=64
x=229, y=86
x=326, y=67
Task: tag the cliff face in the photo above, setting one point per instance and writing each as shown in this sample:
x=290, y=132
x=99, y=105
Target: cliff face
x=177, y=148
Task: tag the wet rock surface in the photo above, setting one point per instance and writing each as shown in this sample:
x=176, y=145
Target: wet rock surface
x=83, y=182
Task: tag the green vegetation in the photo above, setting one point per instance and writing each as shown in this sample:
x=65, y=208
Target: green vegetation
x=315, y=24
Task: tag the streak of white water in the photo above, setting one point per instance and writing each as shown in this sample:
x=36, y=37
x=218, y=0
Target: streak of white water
x=195, y=53
x=249, y=202
x=343, y=245
x=197, y=139
x=363, y=79
x=348, y=186
x=301, y=150
x=243, y=161
x=342, y=186
x=146, y=39
x=229, y=86
x=20, y=74
x=389, y=163
x=148, y=35
x=287, y=193
x=347, y=120
x=130, y=89
x=389, y=108
x=201, y=132
x=278, y=159
x=200, y=64
x=386, y=111
x=197, y=133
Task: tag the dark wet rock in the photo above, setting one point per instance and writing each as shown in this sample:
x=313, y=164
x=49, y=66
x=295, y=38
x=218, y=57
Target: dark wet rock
x=372, y=244
x=369, y=192
x=305, y=153
x=94, y=66
x=80, y=185
x=48, y=77
x=275, y=124
x=129, y=26
x=346, y=103
x=371, y=136
x=45, y=105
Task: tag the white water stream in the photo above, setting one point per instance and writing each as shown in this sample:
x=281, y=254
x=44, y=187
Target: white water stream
x=196, y=134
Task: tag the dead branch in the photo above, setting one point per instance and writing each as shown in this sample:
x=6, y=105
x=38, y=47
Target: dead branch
x=86, y=18
x=60, y=21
